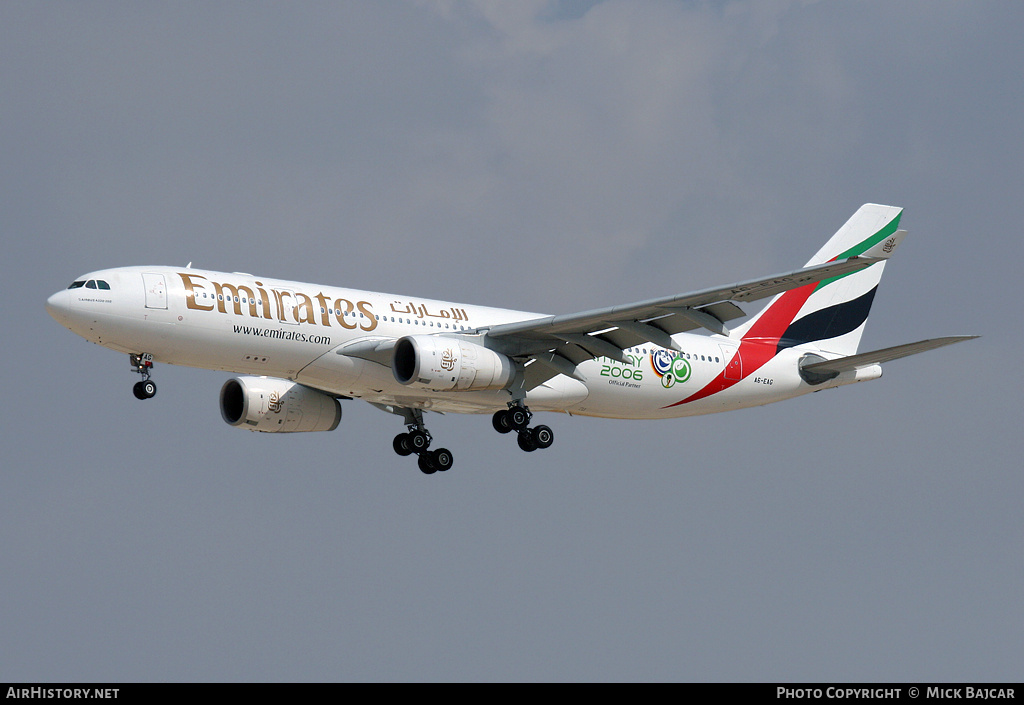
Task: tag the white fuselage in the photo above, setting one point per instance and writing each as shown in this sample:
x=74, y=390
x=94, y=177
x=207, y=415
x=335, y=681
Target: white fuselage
x=254, y=325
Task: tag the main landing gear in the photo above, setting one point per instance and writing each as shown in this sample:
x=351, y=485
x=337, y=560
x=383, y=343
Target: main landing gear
x=143, y=363
x=417, y=440
x=517, y=418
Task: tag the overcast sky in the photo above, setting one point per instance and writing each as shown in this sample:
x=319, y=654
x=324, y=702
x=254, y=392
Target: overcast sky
x=539, y=155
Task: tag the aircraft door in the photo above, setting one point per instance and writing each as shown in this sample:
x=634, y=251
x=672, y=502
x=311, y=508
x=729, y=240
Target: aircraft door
x=156, y=290
x=287, y=308
x=733, y=362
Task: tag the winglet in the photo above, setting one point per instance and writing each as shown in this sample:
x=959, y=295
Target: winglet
x=885, y=248
x=865, y=232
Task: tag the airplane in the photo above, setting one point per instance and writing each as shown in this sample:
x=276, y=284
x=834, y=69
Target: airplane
x=303, y=348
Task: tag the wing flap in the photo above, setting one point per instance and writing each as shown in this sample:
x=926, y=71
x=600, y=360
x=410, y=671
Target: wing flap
x=625, y=336
x=672, y=314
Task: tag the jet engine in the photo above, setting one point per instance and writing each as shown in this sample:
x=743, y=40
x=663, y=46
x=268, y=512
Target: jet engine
x=444, y=364
x=275, y=405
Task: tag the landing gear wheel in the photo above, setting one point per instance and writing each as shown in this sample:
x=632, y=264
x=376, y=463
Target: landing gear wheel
x=526, y=441
x=418, y=441
x=441, y=459
x=401, y=444
x=518, y=418
x=542, y=436
x=142, y=363
x=501, y=422
x=426, y=466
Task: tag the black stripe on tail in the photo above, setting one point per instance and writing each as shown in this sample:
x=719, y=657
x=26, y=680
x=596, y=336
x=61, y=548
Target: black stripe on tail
x=827, y=323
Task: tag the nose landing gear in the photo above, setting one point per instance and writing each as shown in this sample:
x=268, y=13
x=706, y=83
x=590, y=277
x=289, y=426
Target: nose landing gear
x=142, y=363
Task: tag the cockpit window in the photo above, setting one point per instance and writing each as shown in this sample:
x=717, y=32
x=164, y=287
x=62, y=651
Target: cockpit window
x=91, y=284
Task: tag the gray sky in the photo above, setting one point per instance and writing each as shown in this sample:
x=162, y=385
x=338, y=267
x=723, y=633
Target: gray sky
x=549, y=156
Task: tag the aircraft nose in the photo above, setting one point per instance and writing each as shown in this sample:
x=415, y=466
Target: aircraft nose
x=59, y=306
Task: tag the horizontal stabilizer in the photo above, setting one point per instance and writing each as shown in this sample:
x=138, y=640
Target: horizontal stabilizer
x=854, y=362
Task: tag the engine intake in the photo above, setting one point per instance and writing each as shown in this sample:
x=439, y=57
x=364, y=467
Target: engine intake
x=443, y=364
x=273, y=405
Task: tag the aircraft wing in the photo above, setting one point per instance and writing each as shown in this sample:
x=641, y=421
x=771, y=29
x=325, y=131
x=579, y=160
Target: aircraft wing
x=854, y=362
x=556, y=344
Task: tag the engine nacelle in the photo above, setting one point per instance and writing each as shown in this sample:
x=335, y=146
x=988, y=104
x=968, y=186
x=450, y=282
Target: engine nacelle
x=443, y=364
x=275, y=405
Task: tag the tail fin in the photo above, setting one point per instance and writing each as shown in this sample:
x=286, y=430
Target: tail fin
x=833, y=312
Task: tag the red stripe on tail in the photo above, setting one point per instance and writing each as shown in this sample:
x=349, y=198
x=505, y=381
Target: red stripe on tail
x=761, y=342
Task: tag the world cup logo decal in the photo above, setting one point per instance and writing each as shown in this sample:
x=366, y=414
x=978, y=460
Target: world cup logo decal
x=448, y=360
x=671, y=368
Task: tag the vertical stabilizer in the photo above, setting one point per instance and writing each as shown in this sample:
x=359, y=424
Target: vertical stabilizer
x=832, y=313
